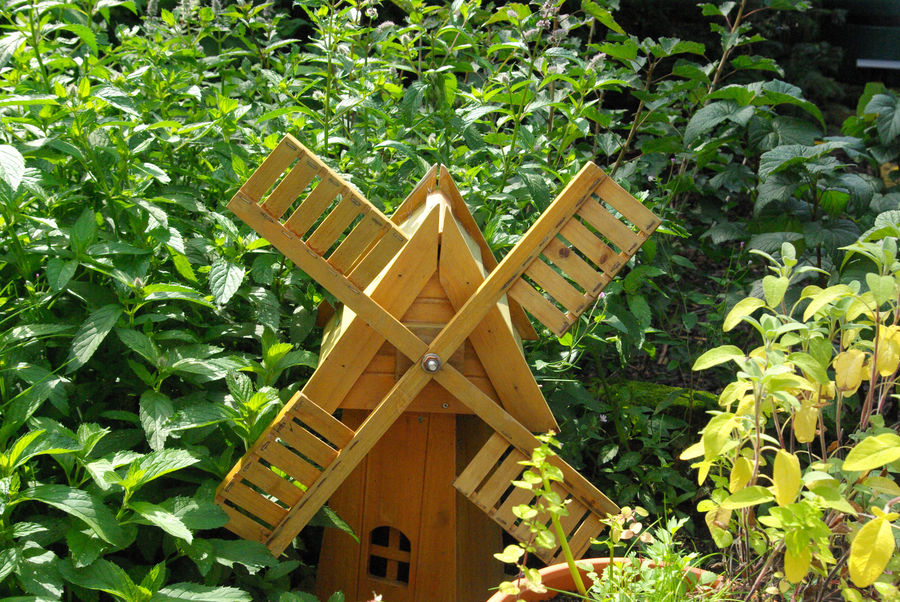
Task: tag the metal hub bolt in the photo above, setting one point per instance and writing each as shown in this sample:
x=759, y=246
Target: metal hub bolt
x=431, y=362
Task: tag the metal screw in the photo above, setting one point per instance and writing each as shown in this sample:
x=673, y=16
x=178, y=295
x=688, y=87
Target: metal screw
x=431, y=362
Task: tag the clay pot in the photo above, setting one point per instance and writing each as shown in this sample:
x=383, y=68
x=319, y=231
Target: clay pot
x=558, y=577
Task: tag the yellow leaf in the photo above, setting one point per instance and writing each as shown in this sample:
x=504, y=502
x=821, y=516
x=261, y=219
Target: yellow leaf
x=805, y=423
x=694, y=451
x=796, y=566
x=888, y=354
x=740, y=474
x=746, y=405
x=848, y=370
x=734, y=391
x=870, y=552
x=744, y=307
x=786, y=478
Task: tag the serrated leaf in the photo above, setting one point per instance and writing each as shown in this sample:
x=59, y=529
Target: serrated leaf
x=201, y=593
x=224, y=280
x=873, y=452
x=83, y=233
x=12, y=166
x=251, y=554
x=156, y=411
x=101, y=575
x=157, y=464
x=602, y=15
x=887, y=119
x=59, y=272
x=162, y=518
x=139, y=343
x=87, y=36
x=91, y=333
x=870, y=552
x=81, y=505
x=84, y=547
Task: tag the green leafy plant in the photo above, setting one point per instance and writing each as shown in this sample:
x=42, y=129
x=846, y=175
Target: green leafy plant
x=789, y=482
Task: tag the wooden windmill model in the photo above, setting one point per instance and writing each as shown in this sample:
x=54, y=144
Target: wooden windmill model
x=424, y=362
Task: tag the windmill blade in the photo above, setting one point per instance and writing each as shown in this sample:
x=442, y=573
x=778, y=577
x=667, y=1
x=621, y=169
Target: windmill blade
x=592, y=236
x=332, y=221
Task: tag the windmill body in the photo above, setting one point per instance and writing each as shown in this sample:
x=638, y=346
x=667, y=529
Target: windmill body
x=424, y=362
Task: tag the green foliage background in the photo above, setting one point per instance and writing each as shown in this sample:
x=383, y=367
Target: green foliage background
x=146, y=338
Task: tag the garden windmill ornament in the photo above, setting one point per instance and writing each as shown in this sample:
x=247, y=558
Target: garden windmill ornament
x=427, y=337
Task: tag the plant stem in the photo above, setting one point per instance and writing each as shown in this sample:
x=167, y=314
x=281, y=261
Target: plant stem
x=564, y=544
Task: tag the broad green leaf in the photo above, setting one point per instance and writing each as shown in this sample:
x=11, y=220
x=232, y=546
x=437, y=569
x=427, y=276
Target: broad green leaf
x=873, y=452
x=224, y=280
x=747, y=497
x=102, y=575
x=157, y=464
x=707, y=118
x=774, y=288
x=162, y=518
x=12, y=166
x=84, y=546
x=156, y=411
x=82, y=505
x=786, y=477
x=887, y=120
x=91, y=333
x=870, y=552
x=742, y=308
x=251, y=554
x=83, y=233
x=825, y=296
x=9, y=558
x=810, y=366
x=718, y=355
x=602, y=15
x=59, y=272
x=170, y=292
x=882, y=287
x=201, y=593
x=139, y=343
x=87, y=36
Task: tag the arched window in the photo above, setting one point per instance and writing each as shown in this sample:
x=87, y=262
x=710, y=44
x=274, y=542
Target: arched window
x=389, y=554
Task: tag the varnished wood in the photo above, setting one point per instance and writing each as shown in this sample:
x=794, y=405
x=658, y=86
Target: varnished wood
x=492, y=338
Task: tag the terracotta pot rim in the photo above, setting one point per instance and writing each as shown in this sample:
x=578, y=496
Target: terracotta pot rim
x=557, y=576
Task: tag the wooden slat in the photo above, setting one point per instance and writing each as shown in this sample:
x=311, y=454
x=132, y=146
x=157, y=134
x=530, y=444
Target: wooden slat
x=627, y=205
x=321, y=421
x=504, y=514
x=335, y=223
x=535, y=304
x=580, y=541
x=305, y=443
x=388, y=553
x=271, y=169
x=592, y=247
x=483, y=462
x=514, y=433
x=294, y=183
x=488, y=495
x=556, y=286
x=574, y=266
x=371, y=265
x=293, y=465
x=313, y=206
x=244, y=526
x=613, y=229
x=270, y=482
x=251, y=501
x=352, y=248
